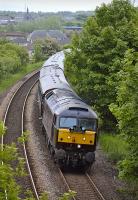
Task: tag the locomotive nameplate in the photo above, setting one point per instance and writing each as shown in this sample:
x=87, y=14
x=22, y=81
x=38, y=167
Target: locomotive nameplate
x=87, y=138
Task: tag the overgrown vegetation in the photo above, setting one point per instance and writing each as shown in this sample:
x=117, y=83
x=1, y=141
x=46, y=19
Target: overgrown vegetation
x=13, y=58
x=126, y=111
x=10, y=79
x=102, y=67
x=8, y=154
x=115, y=146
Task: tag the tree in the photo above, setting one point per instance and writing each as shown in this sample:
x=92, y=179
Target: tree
x=40, y=23
x=45, y=48
x=12, y=58
x=96, y=56
x=126, y=112
x=21, y=52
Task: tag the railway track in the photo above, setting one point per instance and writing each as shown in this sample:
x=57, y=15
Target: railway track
x=13, y=120
x=82, y=184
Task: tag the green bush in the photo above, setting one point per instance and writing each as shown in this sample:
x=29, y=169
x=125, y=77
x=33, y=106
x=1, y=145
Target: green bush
x=126, y=112
x=11, y=79
x=13, y=58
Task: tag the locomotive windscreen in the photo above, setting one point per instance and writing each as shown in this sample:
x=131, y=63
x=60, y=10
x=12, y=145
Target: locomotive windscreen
x=67, y=122
x=87, y=124
x=84, y=124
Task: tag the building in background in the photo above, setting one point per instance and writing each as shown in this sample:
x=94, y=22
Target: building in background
x=57, y=35
x=15, y=37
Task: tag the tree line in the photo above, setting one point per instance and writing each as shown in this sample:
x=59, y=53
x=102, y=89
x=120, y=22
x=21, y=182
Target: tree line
x=102, y=67
x=44, y=21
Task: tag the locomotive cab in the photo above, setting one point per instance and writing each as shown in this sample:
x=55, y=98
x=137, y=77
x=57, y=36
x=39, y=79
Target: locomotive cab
x=75, y=141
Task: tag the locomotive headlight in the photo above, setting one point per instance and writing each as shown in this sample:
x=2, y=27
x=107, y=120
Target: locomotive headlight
x=69, y=137
x=78, y=146
x=84, y=139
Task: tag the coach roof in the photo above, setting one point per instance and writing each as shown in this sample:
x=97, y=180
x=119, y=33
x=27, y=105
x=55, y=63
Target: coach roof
x=52, y=77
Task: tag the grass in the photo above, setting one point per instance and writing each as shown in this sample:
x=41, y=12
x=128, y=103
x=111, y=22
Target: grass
x=114, y=146
x=11, y=79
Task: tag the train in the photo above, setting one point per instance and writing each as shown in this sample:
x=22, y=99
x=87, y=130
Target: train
x=69, y=124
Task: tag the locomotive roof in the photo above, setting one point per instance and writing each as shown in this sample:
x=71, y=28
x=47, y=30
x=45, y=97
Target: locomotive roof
x=68, y=103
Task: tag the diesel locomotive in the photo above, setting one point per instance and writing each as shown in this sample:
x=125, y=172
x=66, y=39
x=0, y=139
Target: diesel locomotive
x=69, y=124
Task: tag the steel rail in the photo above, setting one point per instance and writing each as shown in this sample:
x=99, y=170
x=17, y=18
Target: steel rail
x=24, y=145
x=95, y=187
x=64, y=179
x=98, y=193
x=5, y=116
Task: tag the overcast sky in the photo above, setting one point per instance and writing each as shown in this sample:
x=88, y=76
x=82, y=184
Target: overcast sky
x=52, y=5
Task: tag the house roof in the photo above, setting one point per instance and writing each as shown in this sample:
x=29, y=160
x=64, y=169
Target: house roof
x=19, y=40
x=12, y=34
x=55, y=34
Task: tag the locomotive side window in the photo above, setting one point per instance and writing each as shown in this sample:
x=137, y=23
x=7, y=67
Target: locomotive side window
x=67, y=122
x=87, y=124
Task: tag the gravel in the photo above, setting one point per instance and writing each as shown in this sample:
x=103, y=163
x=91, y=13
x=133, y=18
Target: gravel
x=104, y=175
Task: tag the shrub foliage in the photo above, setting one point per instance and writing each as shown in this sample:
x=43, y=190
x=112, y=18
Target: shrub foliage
x=12, y=58
x=125, y=110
